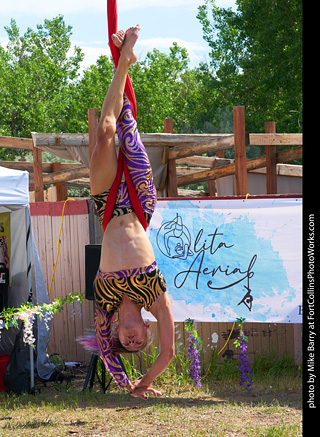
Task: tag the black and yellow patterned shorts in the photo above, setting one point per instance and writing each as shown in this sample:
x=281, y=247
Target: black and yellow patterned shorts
x=142, y=285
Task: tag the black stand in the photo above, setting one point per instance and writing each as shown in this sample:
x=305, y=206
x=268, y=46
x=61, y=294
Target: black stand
x=92, y=372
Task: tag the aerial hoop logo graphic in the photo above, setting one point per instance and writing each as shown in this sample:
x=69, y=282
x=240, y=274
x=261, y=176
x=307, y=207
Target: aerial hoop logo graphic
x=174, y=239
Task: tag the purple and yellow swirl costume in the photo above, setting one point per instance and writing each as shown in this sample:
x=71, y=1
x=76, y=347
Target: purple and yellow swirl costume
x=142, y=285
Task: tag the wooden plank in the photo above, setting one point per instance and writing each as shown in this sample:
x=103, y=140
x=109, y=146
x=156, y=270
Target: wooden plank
x=288, y=339
x=240, y=150
x=68, y=273
x=273, y=329
x=206, y=162
x=179, y=337
x=228, y=170
x=62, y=190
x=210, y=340
x=281, y=334
x=265, y=338
x=93, y=116
x=62, y=176
x=48, y=248
x=172, y=174
x=219, y=141
x=56, y=344
x=271, y=160
x=191, y=193
x=212, y=184
x=276, y=139
x=79, y=237
x=80, y=183
x=289, y=170
x=64, y=139
x=297, y=333
x=37, y=174
x=210, y=144
x=197, y=161
x=51, y=244
x=253, y=343
x=46, y=166
x=16, y=143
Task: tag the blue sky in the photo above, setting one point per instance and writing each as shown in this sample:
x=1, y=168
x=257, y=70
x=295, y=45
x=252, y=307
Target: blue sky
x=162, y=22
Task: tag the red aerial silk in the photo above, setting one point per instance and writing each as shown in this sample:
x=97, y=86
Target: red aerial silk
x=112, y=28
x=122, y=167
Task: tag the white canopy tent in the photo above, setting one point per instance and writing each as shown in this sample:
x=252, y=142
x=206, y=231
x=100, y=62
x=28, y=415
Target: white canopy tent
x=26, y=277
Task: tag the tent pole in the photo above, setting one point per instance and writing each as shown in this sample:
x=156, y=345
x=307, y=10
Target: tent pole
x=28, y=250
x=31, y=367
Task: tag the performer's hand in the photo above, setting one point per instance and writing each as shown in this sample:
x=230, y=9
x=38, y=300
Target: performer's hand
x=138, y=391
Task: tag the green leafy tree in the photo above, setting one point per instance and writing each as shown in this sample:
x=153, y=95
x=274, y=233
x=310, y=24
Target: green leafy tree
x=36, y=74
x=256, y=54
x=89, y=92
x=156, y=82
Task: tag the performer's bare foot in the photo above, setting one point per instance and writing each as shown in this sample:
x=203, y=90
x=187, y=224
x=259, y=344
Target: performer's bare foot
x=118, y=39
x=127, y=50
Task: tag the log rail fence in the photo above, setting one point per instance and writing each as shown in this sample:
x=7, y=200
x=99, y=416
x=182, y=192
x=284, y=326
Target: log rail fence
x=181, y=149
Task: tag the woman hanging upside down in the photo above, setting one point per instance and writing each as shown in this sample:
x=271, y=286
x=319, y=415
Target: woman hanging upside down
x=128, y=277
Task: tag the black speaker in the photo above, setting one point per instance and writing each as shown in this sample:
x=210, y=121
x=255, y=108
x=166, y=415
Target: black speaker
x=92, y=261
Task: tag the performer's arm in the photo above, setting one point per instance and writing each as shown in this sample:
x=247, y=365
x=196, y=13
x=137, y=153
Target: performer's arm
x=163, y=314
x=109, y=358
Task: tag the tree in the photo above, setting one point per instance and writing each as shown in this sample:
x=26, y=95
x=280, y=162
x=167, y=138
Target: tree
x=88, y=92
x=35, y=75
x=156, y=82
x=256, y=53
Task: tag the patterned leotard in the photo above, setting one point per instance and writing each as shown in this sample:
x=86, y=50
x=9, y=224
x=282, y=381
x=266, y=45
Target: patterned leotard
x=142, y=285
x=139, y=167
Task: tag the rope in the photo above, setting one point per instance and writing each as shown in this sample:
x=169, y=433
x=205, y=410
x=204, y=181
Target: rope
x=55, y=264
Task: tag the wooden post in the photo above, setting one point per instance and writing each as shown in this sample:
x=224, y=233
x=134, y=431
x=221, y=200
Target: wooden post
x=271, y=160
x=240, y=150
x=172, y=172
x=37, y=174
x=93, y=116
x=62, y=190
x=212, y=182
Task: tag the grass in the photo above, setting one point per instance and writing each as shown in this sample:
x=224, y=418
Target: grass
x=221, y=408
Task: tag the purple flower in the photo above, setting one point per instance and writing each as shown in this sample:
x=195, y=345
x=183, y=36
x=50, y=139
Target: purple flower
x=244, y=363
x=193, y=354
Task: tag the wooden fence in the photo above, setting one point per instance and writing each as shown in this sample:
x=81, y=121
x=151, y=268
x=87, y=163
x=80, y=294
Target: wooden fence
x=69, y=277
x=180, y=147
x=80, y=227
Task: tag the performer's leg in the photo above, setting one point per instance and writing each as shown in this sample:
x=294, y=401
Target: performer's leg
x=136, y=158
x=103, y=163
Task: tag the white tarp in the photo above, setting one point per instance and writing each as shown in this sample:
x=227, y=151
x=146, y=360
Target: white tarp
x=225, y=259
x=25, y=269
x=14, y=187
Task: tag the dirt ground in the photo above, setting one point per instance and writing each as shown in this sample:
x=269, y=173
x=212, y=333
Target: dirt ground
x=219, y=409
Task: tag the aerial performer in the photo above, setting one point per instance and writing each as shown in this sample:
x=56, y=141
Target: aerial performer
x=122, y=187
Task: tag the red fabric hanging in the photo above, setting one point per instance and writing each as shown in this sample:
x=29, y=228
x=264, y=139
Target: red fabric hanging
x=132, y=194
x=122, y=167
x=112, y=28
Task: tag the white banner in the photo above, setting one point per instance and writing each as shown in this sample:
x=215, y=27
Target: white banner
x=225, y=259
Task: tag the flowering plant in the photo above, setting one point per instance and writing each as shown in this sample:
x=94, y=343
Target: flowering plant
x=194, y=352
x=27, y=312
x=244, y=363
